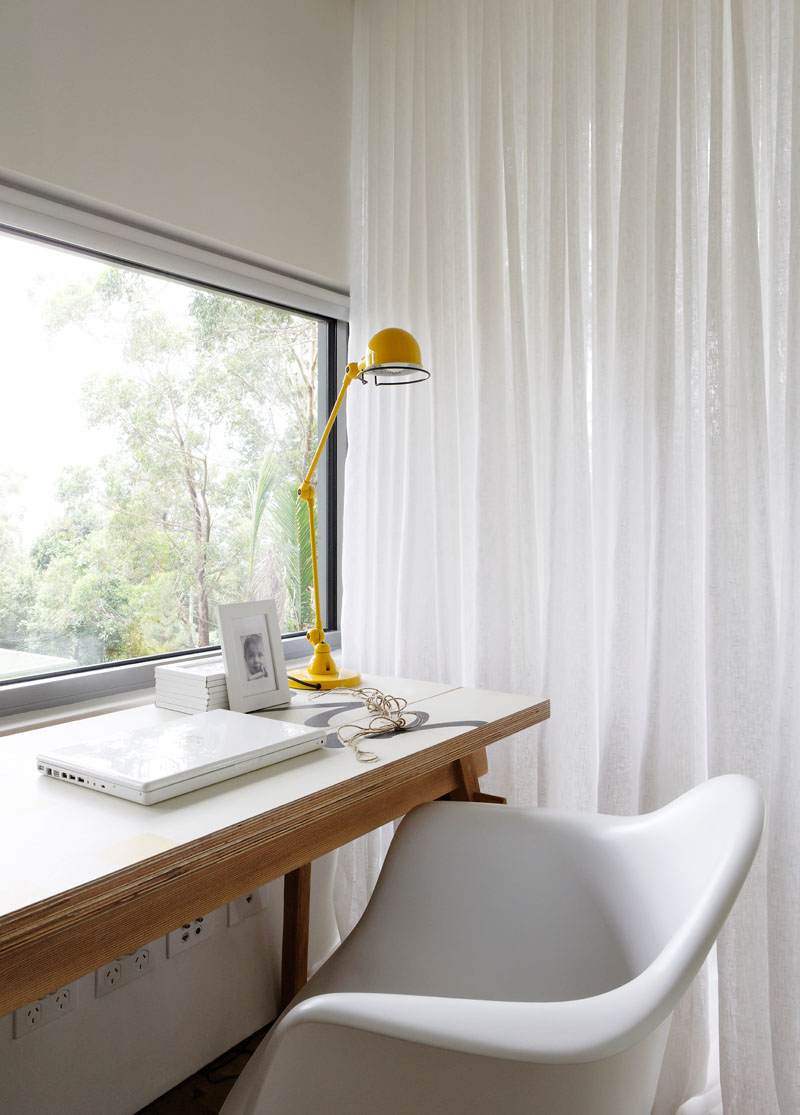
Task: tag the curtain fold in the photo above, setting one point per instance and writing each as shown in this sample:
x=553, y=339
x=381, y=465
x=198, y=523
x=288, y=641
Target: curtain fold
x=588, y=212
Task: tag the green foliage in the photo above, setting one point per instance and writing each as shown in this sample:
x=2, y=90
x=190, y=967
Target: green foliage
x=281, y=567
x=70, y=304
x=270, y=357
x=82, y=605
x=260, y=492
x=288, y=515
x=16, y=576
x=213, y=413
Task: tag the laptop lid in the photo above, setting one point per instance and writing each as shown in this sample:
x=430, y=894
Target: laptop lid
x=150, y=764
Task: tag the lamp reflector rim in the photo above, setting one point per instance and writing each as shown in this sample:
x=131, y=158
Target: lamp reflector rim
x=394, y=373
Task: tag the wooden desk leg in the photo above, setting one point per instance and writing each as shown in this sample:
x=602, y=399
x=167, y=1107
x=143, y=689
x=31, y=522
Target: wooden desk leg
x=296, y=909
x=468, y=786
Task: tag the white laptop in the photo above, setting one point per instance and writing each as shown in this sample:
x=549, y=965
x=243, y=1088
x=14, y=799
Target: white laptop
x=150, y=764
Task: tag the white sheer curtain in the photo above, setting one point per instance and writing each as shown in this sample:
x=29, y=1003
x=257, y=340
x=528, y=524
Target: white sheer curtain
x=589, y=214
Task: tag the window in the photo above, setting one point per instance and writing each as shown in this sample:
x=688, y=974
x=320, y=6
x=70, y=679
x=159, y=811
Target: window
x=160, y=407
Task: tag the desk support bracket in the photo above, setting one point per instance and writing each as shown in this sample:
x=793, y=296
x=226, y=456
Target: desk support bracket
x=467, y=785
x=296, y=909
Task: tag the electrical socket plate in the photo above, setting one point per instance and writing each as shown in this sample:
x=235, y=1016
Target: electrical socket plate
x=119, y=972
x=60, y=1002
x=107, y=979
x=135, y=964
x=32, y=1017
x=246, y=906
x=28, y=1018
x=189, y=934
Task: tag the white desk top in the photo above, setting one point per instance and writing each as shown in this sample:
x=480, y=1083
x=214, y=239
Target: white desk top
x=61, y=835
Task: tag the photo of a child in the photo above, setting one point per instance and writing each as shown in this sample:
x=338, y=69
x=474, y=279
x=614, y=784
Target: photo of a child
x=255, y=661
x=255, y=667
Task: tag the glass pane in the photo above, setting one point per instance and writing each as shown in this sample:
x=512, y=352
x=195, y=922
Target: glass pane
x=153, y=438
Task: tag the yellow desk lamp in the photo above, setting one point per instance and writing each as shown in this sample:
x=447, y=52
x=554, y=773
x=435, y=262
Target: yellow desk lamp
x=393, y=356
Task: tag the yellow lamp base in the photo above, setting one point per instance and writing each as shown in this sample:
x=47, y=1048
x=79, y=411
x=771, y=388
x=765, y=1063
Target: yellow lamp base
x=344, y=679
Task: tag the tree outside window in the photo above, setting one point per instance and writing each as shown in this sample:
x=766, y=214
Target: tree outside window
x=167, y=428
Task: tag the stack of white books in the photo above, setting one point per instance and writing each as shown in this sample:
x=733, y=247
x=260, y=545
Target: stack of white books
x=193, y=687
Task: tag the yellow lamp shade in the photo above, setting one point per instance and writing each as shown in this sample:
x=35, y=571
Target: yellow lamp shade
x=393, y=356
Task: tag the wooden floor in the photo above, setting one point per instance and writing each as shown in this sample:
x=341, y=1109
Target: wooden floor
x=206, y=1091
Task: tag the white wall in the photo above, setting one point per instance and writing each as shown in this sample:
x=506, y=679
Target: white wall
x=227, y=118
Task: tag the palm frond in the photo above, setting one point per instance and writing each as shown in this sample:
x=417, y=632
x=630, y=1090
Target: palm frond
x=289, y=530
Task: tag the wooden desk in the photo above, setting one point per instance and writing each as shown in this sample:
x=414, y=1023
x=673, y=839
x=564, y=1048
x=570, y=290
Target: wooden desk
x=87, y=878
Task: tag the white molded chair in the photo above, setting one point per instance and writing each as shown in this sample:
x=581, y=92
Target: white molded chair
x=513, y=960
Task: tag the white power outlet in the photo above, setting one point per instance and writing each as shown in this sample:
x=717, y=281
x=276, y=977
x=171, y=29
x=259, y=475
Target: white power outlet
x=189, y=934
x=122, y=971
x=35, y=1015
x=60, y=1002
x=135, y=964
x=246, y=906
x=108, y=978
x=28, y=1018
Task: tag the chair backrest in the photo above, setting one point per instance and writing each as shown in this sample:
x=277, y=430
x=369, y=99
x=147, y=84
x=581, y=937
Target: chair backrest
x=684, y=865
x=568, y=905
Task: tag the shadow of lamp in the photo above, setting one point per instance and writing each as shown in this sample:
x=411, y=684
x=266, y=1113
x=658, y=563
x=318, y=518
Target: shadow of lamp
x=393, y=356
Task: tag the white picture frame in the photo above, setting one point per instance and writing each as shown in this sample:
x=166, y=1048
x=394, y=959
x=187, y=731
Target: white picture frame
x=255, y=667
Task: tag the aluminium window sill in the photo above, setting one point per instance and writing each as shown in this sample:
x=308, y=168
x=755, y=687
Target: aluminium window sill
x=77, y=710
x=40, y=703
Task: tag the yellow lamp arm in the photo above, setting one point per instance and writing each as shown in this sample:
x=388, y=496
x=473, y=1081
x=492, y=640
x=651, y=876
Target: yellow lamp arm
x=316, y=635
x=350, y=374
x=306, y=492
